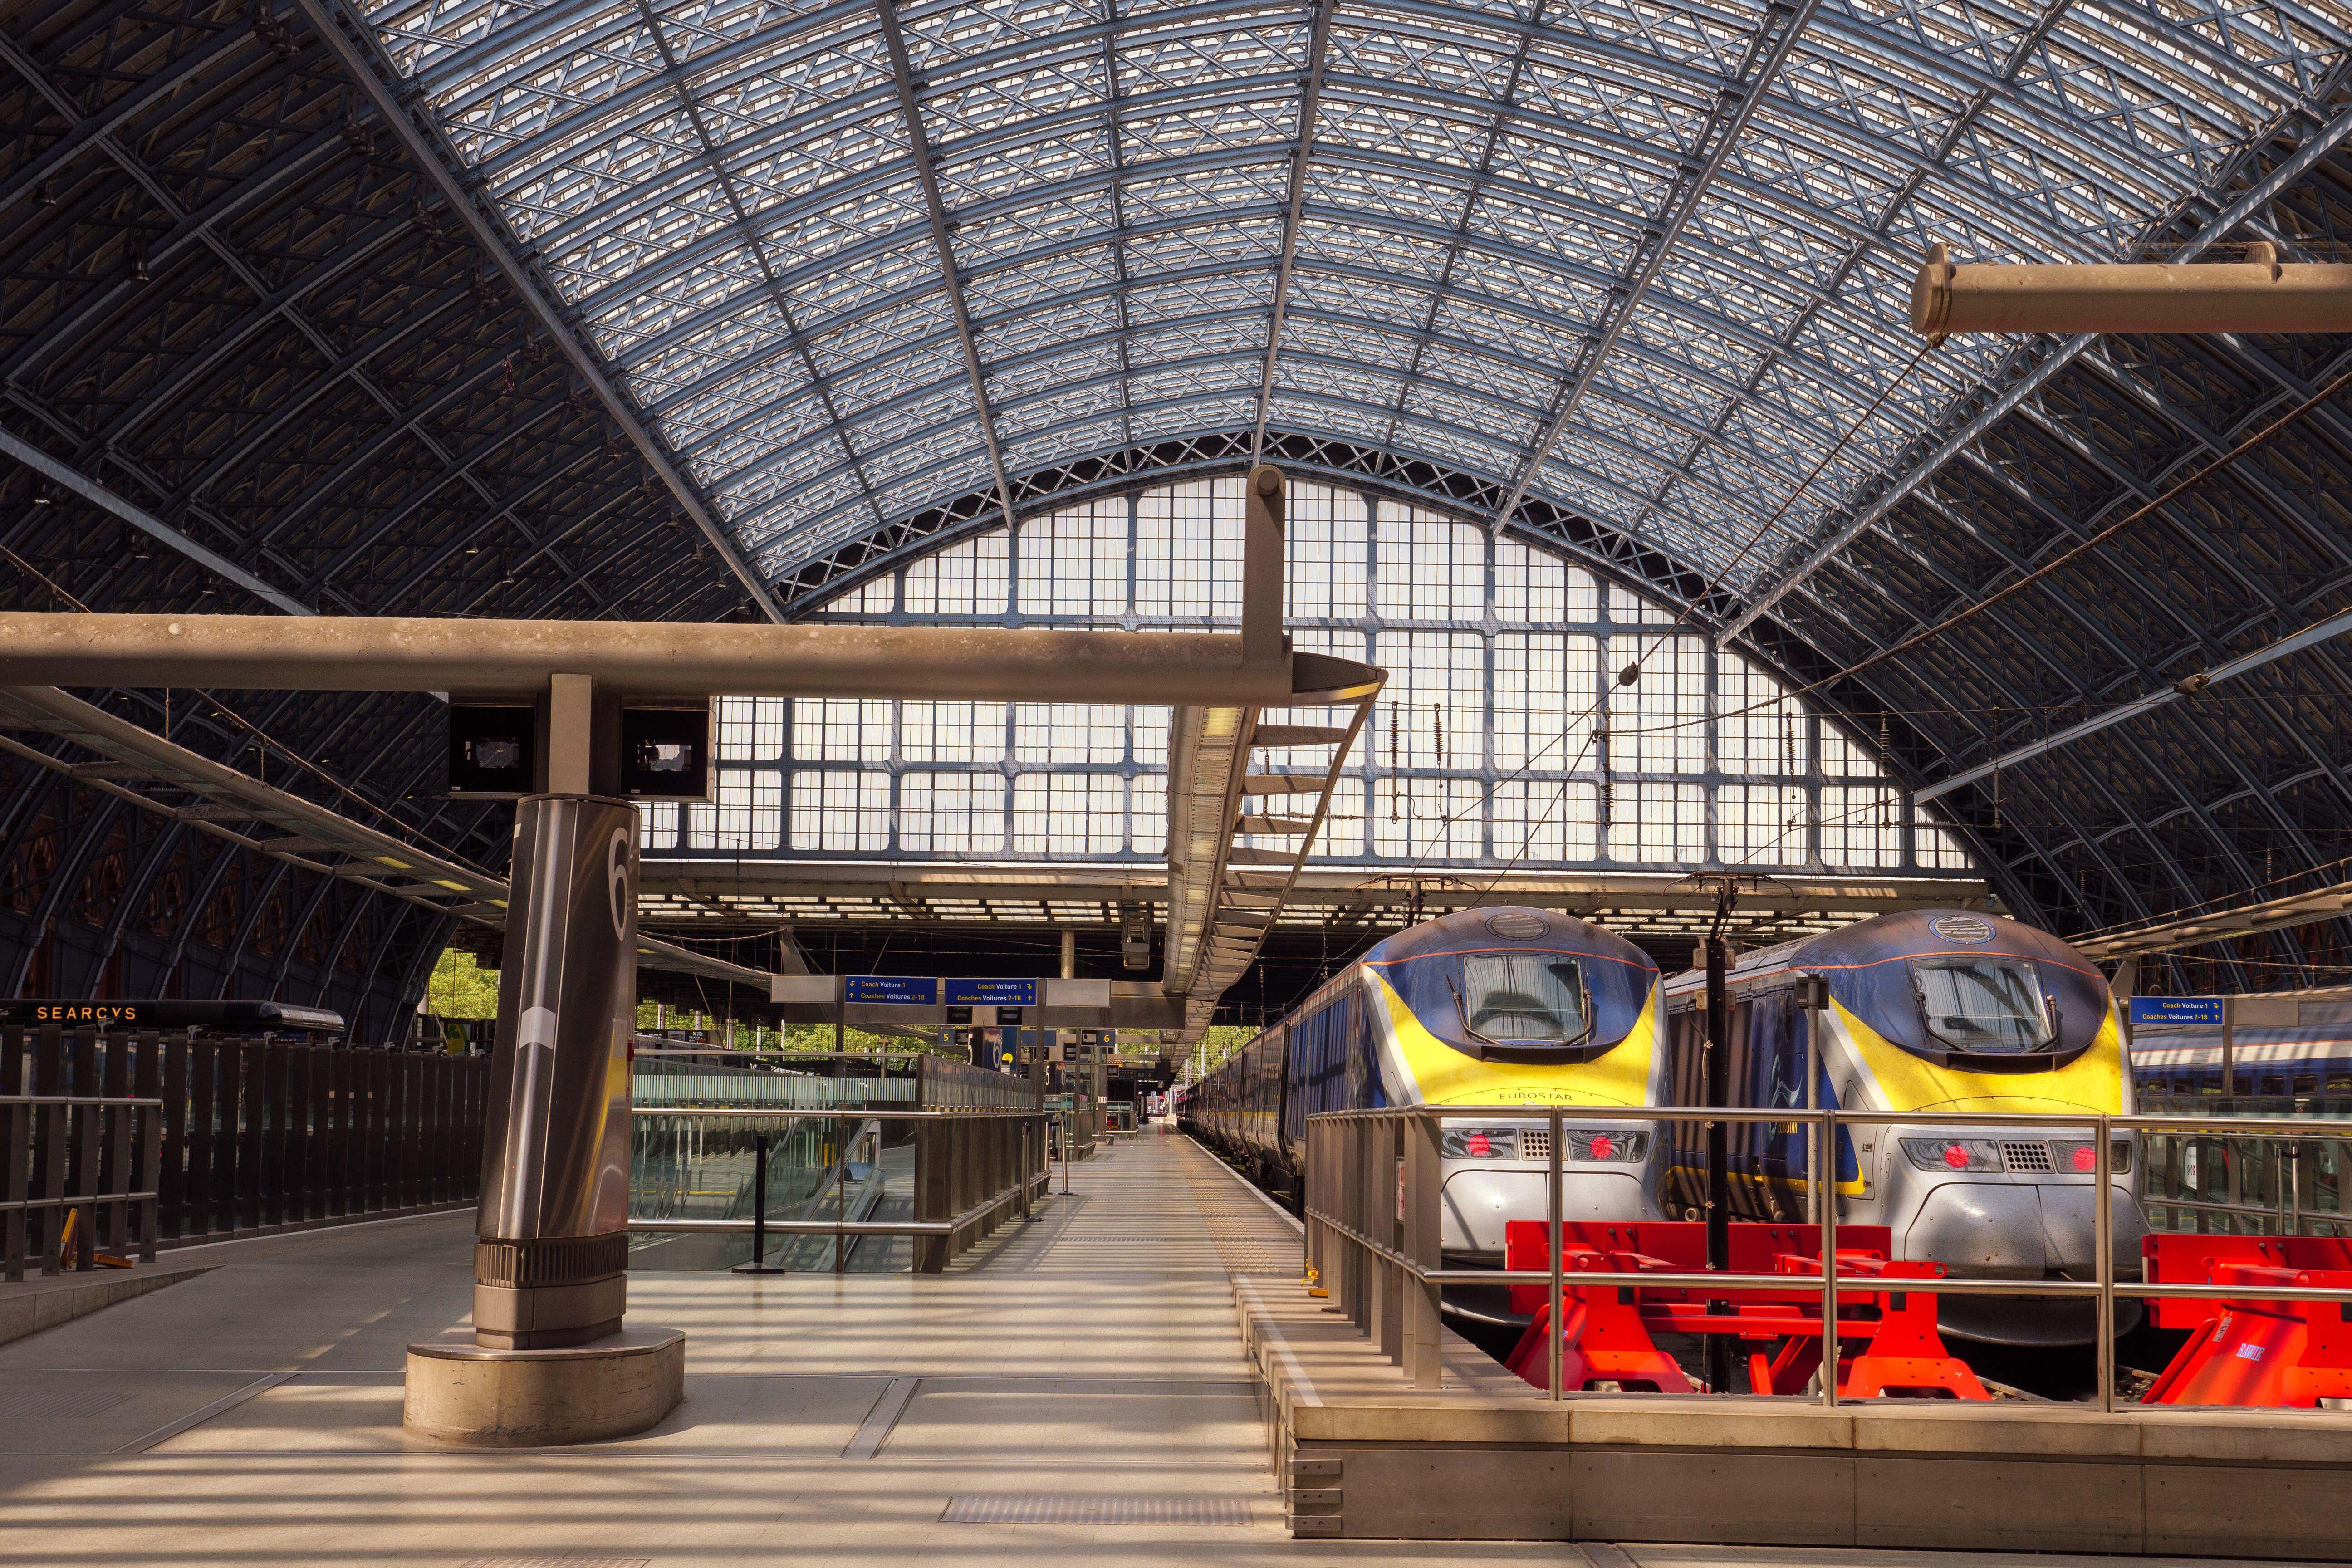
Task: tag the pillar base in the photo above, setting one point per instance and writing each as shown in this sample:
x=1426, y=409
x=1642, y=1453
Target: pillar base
x=464, y=1393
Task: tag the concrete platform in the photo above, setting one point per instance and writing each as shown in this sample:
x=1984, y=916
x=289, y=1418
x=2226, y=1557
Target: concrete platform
x=1363, y=1455
x=1077, y=1387
x=43, y=1301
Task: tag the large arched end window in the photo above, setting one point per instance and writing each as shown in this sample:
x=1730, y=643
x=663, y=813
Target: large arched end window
x=1492, y=747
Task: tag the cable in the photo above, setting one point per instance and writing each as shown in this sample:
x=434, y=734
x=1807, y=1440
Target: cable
x=1633, y=670
x=43, y=578
x=1632, y=673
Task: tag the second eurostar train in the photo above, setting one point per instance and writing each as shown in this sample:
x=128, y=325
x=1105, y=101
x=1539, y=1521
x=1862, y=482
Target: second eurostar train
x=1503, y=1006
x=1927, y=1011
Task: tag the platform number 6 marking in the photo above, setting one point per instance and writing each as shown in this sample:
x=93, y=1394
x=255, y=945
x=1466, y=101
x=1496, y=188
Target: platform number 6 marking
x=616, y=880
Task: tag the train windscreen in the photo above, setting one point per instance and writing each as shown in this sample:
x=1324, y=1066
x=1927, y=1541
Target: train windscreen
x=1984, y=1003
x=1524, y=998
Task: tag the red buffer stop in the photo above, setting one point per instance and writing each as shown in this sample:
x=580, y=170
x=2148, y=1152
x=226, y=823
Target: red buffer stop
x=2252, y=1351
x=1609, y=1332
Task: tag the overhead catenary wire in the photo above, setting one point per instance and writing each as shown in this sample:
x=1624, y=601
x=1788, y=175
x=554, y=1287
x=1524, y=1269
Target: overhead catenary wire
x=2216, y=465
x=1630, y=673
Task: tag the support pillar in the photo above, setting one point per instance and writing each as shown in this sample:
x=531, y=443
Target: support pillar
x=547, y=1360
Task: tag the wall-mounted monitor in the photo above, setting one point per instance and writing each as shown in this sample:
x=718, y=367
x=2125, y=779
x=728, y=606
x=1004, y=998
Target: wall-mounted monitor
x=493, y=750
x=666, y=753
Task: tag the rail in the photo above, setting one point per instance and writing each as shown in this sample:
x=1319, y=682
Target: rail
x=1397, y=1297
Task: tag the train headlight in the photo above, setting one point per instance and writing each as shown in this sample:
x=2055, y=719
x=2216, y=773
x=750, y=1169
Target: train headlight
x=1481, y=1144
x=1952, y=1153
x=2080, y=1157
x=1607, y=1147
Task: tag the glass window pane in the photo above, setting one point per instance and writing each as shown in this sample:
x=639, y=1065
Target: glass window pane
x=951, y=731
x=967, y=579
x=1761, y=729
x=1544, y=824
x=1324, y=540
x=1433, y=714
x=1659, y=824
x=951, y=814
x=1658, y=725
x=1760, y=825
x=1861, y=827
x=1545, y=687
x=841, y=729
x=1983, y=1003
x=1429, y=567
x=1524, y=997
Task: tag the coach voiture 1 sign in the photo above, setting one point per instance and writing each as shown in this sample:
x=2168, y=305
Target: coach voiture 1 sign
x=991, y=993
x=2177, y=1010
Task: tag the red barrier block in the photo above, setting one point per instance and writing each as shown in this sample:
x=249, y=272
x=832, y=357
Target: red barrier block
x=1608, y=1331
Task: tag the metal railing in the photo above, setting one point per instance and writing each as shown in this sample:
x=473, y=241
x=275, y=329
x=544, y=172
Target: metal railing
x=1389, y=1163
x=92, y=1158
x=971, y=1164
x=2216, y=1185
x=252, y=1135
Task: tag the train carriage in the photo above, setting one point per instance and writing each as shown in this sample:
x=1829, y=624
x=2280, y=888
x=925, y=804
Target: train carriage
x=1929, y=1012
x=1499, y=1006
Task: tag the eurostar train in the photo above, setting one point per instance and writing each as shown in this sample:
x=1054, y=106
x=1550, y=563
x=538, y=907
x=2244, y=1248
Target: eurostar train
x=1488, y=1007
x=1931, y=1012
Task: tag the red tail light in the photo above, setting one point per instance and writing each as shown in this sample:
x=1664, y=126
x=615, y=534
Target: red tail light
x=1603, y=1148
x=1481, y=1145
x=2085, y=1158
x=1956, y=1155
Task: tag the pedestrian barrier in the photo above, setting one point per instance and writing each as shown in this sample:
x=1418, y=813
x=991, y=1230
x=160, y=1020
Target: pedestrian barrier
x=141, y=1140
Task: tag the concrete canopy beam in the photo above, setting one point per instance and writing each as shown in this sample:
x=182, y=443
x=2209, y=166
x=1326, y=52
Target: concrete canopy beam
x=489, y=657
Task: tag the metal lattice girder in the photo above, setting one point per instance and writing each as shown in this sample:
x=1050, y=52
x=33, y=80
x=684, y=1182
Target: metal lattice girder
x=140, y=769
x=1014, y=236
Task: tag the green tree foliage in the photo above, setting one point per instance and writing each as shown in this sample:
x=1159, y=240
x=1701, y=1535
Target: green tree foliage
x=1221, y=1041
x=460, y=988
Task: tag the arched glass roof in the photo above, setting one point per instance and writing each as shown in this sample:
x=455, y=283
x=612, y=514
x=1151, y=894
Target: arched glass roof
x=1648, y=263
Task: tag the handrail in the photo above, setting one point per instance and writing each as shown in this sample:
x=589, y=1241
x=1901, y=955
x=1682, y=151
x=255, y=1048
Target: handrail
x=870, y=1112
x=1824, y=1121
x=1004, y=1148
x=962, y=1221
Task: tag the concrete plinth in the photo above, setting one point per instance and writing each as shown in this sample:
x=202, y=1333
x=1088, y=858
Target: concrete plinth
x=461, y=1392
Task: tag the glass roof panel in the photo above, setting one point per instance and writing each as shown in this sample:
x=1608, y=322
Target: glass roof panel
x=746, y=239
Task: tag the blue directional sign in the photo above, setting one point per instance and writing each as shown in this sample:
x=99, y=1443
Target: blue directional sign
x=920, y=991
x=993, y=993
x=2176, y=1010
